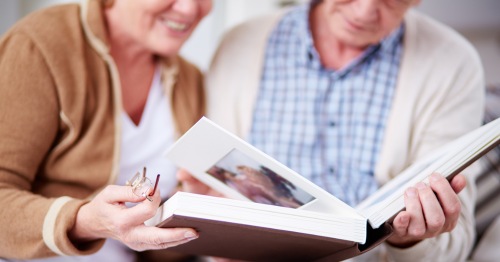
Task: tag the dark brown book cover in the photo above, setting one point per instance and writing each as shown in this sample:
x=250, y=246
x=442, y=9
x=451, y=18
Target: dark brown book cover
x=252, y=243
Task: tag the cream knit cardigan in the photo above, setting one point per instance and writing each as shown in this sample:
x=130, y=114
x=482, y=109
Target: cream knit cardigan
x=439, y=96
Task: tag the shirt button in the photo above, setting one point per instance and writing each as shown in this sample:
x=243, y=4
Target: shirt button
x=331, y=124
x=332, y=170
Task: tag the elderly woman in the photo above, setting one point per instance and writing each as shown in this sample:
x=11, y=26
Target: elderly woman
x=89, y=93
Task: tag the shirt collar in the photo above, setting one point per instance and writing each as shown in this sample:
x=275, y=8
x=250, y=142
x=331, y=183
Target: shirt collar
x=393, y=39
x=309, y=54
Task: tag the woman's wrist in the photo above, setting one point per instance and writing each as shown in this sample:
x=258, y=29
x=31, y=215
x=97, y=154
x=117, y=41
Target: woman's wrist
x=81, y=231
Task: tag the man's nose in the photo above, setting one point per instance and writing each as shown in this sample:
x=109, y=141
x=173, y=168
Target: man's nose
x=366, y=10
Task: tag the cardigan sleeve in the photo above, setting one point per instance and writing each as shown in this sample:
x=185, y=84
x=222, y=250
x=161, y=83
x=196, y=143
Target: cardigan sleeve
x=36, y=226
x=445, y=76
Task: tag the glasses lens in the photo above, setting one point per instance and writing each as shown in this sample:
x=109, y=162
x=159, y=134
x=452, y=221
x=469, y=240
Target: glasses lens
x=135, y=180
x=142, y=188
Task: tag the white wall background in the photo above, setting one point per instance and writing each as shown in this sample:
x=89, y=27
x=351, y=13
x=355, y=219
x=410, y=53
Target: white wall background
x=9, y=13
x=478, y=20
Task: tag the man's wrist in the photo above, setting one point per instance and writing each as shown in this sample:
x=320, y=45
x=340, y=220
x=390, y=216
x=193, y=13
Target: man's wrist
x=397, y=242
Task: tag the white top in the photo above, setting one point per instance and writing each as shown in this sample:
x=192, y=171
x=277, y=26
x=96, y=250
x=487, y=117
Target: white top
x=144, y=144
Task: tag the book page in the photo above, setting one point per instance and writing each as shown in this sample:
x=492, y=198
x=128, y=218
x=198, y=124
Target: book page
x=415, y=173
x=245, y=213
x=447, y=161
x=240, y=171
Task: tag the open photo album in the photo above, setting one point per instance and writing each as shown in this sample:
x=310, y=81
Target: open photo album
x=273, y=213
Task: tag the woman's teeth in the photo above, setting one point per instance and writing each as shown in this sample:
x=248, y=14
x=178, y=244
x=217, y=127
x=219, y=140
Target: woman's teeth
x=175, y=25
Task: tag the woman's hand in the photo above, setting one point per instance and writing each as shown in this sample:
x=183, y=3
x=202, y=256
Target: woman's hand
x=107, y=216
x=192, y=185
x=430, y=210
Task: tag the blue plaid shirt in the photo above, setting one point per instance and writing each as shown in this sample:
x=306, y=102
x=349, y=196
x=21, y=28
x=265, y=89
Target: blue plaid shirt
x=327, y=125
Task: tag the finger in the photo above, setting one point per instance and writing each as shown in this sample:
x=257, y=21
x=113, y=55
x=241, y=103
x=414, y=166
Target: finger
x=195, y=186
x=401, y=223
x=431, y=208
x=158, y=238
x=190, y=184
x=221, y=259
x=145, y=210
x=155, y=198
x=119, y=194
x=448, y=200
x=169, y=244
x=446, y=194
x=183, y=175
x=416, y=228
x=458, y=183
x=216, y=193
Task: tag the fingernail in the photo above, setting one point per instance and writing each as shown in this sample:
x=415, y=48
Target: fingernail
x=190, y=235
x=434, y=177
x=420, y=185
x=411, y=192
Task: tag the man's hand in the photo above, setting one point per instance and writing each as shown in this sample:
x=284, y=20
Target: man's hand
x=107, y=216
x=192, y=185
x=430, y=210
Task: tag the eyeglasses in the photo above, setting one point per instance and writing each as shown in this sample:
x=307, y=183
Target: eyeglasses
x=141, y=184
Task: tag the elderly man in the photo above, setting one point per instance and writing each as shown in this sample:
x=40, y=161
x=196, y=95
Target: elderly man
x=348, y=93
